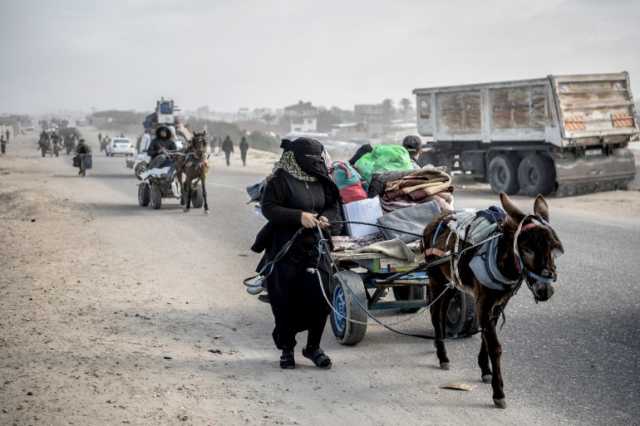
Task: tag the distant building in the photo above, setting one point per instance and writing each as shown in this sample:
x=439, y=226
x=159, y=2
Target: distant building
x=303, y=117
x=244, y=114
x=369, y=113
x=349, y=131
x=372, y=115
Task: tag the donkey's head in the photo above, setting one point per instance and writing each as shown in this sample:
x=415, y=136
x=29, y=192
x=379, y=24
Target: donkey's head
x=536, y=245
x=199, y=142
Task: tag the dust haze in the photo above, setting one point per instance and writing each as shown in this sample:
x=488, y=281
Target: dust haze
x=77, y=55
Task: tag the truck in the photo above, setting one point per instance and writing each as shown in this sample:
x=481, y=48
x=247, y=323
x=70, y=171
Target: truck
x=563, y=134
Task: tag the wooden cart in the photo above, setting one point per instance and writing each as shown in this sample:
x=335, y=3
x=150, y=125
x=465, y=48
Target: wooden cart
x=369, y=277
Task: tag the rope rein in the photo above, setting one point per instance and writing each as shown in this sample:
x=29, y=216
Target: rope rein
x=323, y=249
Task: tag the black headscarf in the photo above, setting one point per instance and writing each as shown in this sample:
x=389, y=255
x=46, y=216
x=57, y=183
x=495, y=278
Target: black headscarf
x=308, y=155
x=163, y=132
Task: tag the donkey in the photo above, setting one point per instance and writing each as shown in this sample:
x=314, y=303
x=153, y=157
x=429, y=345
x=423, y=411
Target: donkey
x=193, y=164
x=526, y=251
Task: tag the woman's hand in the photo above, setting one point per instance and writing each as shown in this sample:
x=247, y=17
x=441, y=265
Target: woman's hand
x=309, y=220
x=324, y=222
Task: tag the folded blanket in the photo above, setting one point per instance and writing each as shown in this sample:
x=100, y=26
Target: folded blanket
x=394, y=248
x=411, y=220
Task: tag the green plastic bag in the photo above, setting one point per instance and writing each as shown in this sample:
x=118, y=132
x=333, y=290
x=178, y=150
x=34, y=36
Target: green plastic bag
x=384, y=158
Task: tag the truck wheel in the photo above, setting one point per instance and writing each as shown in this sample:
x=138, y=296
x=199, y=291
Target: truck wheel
x=144, y=195
x=536, y=175
x=460, y=319
x=155, y=197
x=348, y=299
x=503, y=174
x=408, y=293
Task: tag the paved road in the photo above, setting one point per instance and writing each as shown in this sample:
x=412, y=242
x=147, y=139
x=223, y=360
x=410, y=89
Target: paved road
x=572, y=360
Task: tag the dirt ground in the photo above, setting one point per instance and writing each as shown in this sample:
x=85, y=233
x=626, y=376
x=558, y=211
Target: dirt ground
x=92, y=332
x=79, y=344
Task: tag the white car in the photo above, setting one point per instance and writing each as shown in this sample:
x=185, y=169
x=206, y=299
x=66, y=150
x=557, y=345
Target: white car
x=120, y=146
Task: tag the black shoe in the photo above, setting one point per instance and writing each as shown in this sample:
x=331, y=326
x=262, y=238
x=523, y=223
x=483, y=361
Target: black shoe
x=287, y=360
x=318, y=357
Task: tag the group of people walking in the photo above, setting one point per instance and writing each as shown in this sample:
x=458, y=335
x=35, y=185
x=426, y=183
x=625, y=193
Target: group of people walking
x=228, y=149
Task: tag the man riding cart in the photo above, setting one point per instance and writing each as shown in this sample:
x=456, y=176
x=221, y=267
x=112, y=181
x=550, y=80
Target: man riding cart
x=160, y=180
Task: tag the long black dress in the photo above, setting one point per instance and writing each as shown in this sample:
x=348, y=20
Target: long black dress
x=294, y=293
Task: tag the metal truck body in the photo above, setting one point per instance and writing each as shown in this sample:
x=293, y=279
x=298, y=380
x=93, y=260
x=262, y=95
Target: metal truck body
x=563, y=133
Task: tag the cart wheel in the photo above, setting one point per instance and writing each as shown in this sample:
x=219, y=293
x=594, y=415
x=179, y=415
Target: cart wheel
x=408, y=293
x=461, y=320
x=197, y=200
x=155, y=196
x=349, y=296
x=144, y=195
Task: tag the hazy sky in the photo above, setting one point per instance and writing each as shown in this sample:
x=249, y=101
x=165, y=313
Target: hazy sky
x=78, y=54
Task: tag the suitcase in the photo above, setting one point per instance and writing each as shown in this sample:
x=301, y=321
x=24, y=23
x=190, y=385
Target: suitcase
x=87, y=161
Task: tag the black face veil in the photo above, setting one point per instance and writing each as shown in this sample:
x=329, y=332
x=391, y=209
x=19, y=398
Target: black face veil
x=308, y=155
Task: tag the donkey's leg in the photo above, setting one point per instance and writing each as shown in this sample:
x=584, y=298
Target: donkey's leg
x=438, y=326
x=483, y=362
x=179, y=176
x=483, y=356
x=444, y=307
x=203, y=180
x=187, y=204
x=490, y=336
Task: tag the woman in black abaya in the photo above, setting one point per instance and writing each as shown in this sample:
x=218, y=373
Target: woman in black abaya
x=300, y=194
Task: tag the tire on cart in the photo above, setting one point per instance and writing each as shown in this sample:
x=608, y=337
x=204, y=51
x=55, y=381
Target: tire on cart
x=144, y=195
x=408, y=293
x=460, y=319
x=349, y=302
x=155, y=196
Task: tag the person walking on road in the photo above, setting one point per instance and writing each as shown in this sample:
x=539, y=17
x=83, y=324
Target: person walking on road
x=227, y=147
x=244, y=147
x=3, y=143
x=82, y=152
x=299, y=195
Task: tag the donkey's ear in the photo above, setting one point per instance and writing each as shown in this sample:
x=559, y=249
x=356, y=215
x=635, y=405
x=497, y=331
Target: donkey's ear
x=541, y=208
x=512, y=210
